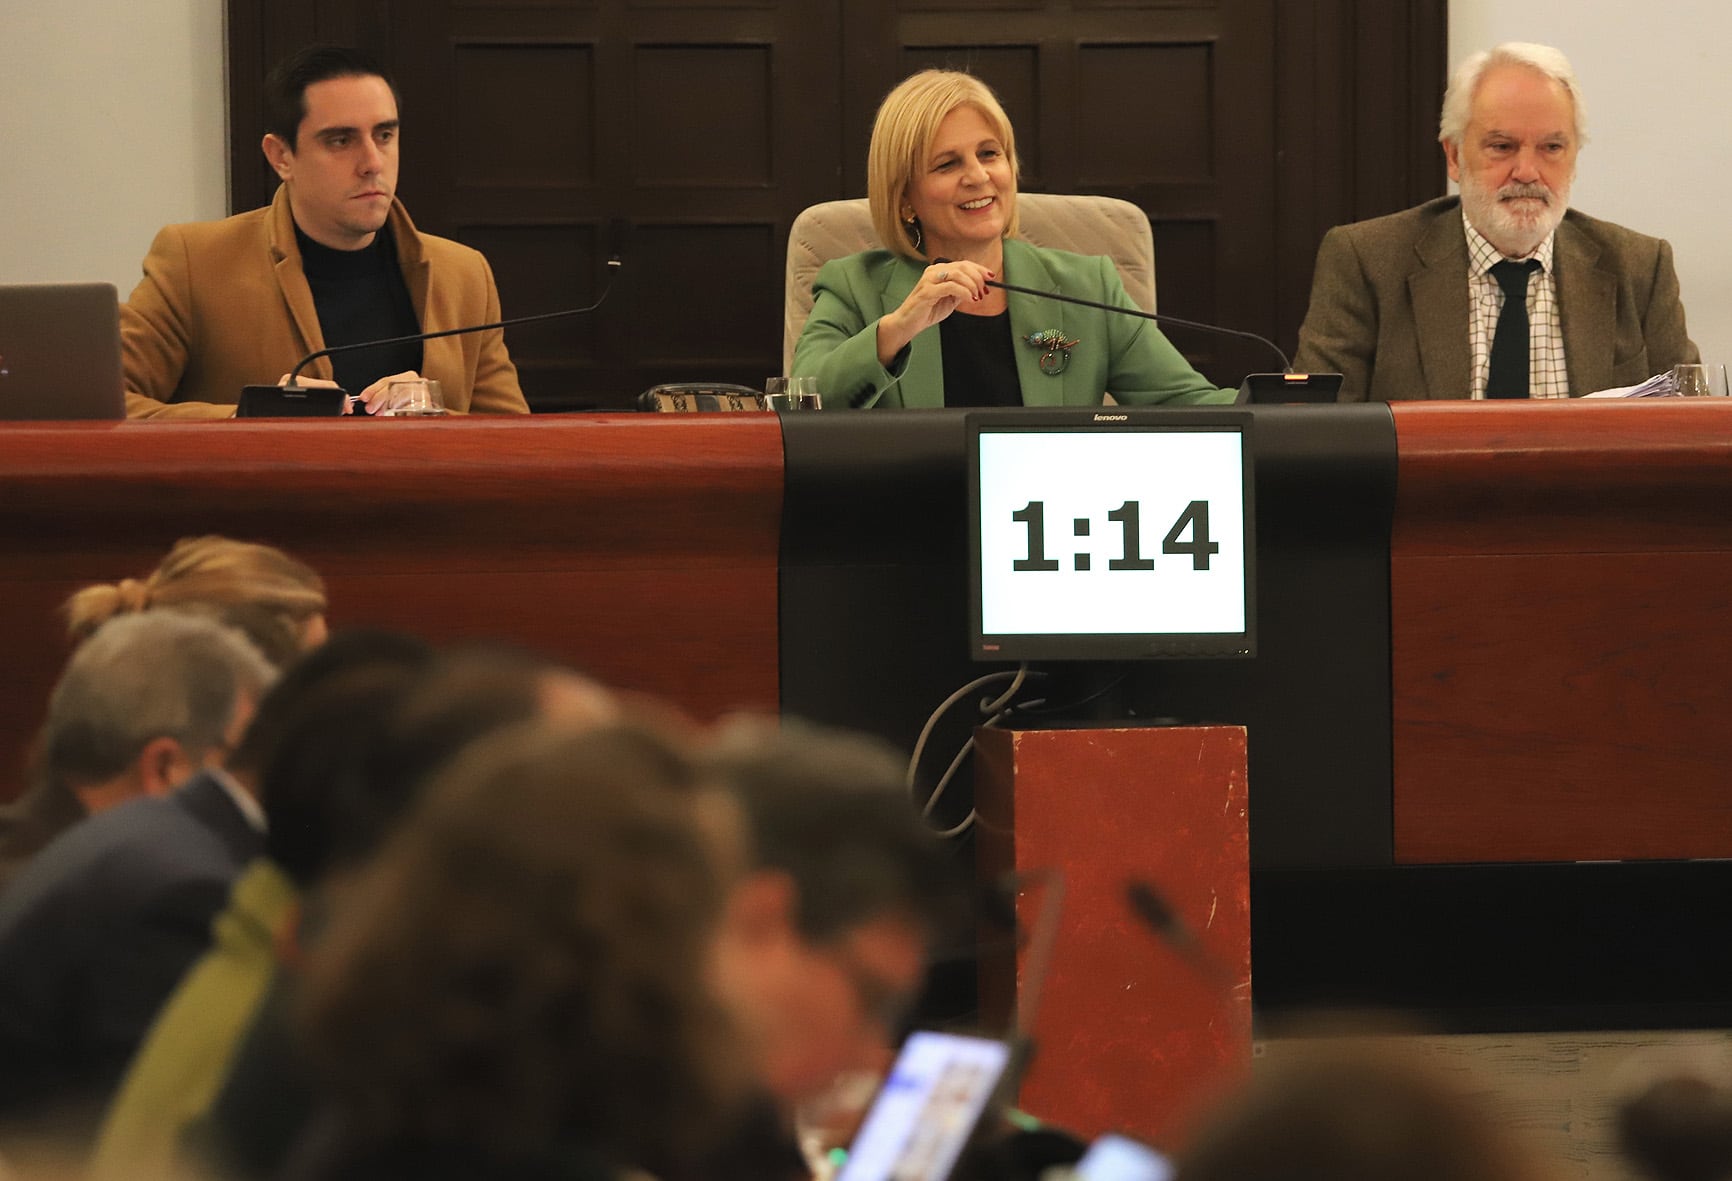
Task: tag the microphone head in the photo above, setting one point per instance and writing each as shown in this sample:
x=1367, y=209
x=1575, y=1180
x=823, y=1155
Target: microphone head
x=1149, y=905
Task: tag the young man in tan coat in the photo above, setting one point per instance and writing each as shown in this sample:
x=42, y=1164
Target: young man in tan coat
x=334, y=259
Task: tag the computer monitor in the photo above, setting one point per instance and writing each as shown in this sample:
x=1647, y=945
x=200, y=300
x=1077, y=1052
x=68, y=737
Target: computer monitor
x=1111, y=533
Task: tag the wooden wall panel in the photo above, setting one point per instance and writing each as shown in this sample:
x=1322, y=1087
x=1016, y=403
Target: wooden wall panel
x=601, y=127
x=525, y=115
x=727, y=318
x=1163, y=124
x=731, y=86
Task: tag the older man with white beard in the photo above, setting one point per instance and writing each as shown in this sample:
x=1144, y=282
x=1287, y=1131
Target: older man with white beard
x=1504, y=292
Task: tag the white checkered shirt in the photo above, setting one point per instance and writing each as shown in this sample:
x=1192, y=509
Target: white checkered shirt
x=1547, y=377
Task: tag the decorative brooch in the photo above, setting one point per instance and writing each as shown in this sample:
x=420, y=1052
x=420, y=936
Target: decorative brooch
x=1055, y=350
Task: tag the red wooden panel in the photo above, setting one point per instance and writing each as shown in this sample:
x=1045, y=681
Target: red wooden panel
x=1563, y=476
x=1561, y=595
x=640, y=548
x=1129, y=1036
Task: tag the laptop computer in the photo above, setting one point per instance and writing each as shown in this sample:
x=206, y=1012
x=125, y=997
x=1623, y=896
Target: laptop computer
x=60, y=351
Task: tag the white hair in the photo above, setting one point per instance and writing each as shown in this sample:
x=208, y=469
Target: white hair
x=1458, y=99
x=160, y=673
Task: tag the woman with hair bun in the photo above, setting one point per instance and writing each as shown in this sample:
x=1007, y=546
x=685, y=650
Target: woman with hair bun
x=277, y=601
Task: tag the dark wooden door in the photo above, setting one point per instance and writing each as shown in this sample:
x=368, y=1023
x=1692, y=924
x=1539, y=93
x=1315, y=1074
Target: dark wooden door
x=687, y=135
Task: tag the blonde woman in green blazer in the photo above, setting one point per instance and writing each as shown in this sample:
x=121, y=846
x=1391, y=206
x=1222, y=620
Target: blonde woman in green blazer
x=917, y=325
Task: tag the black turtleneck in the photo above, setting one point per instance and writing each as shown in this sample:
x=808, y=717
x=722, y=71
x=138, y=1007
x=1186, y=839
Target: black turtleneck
x=360, y=295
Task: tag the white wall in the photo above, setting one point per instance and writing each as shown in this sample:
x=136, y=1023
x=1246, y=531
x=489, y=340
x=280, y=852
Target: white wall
x=1659, y=152
x=112, y=124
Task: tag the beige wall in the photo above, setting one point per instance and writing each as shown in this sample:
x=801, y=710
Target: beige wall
x=1659, y=155
x=111, y=125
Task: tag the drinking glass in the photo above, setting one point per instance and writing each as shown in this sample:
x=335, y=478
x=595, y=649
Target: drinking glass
x=1693, y=381
x=418, y=397
x=792, y=393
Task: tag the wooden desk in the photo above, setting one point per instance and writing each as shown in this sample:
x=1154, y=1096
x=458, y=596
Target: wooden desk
x=1488, y=632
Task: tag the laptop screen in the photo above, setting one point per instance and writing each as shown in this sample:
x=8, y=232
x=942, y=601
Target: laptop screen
x=60, y=352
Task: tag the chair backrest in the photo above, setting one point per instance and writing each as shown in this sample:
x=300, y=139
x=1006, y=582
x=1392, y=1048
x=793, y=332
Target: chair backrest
x=1083, y=224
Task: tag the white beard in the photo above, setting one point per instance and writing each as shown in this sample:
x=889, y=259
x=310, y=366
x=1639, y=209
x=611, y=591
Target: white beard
x=1516, y=228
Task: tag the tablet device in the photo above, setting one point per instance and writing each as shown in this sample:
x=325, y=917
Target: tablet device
x=927, y=1109
x=1119, y=1158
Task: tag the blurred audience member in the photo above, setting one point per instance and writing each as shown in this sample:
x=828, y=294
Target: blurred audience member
x=517, y=986
x=100, y=924
x=278, y=601
x=317, y=799
x=140, y=706
x=848, y=890
x=825, y=942
x=266, y=1098
x=1355, y=1117
x=1680, y=1129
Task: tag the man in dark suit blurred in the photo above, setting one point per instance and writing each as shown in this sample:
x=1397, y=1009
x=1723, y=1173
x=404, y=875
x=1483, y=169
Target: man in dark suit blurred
x=101, y=923
x=1505, y=292
x=142, y=704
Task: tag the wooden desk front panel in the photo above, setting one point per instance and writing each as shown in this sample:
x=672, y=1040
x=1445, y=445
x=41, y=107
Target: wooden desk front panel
x=639, y=548
x=1561, y=594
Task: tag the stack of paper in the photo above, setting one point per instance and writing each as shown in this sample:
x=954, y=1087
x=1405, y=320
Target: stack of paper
x=1658, y=386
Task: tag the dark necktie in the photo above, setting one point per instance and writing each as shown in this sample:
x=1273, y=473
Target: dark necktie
x=1508, y=373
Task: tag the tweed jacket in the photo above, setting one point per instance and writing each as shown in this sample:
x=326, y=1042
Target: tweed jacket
x=1389, y=306
x=225, y=304
x=1119, y=354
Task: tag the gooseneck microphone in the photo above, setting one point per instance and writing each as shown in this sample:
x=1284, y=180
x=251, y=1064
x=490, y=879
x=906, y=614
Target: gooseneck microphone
x=614, y=265
x=1157, y=317
x=1153, y=910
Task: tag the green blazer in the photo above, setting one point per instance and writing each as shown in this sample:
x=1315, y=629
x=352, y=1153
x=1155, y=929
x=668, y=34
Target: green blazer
x=1123, y=355
x=179, y=1069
